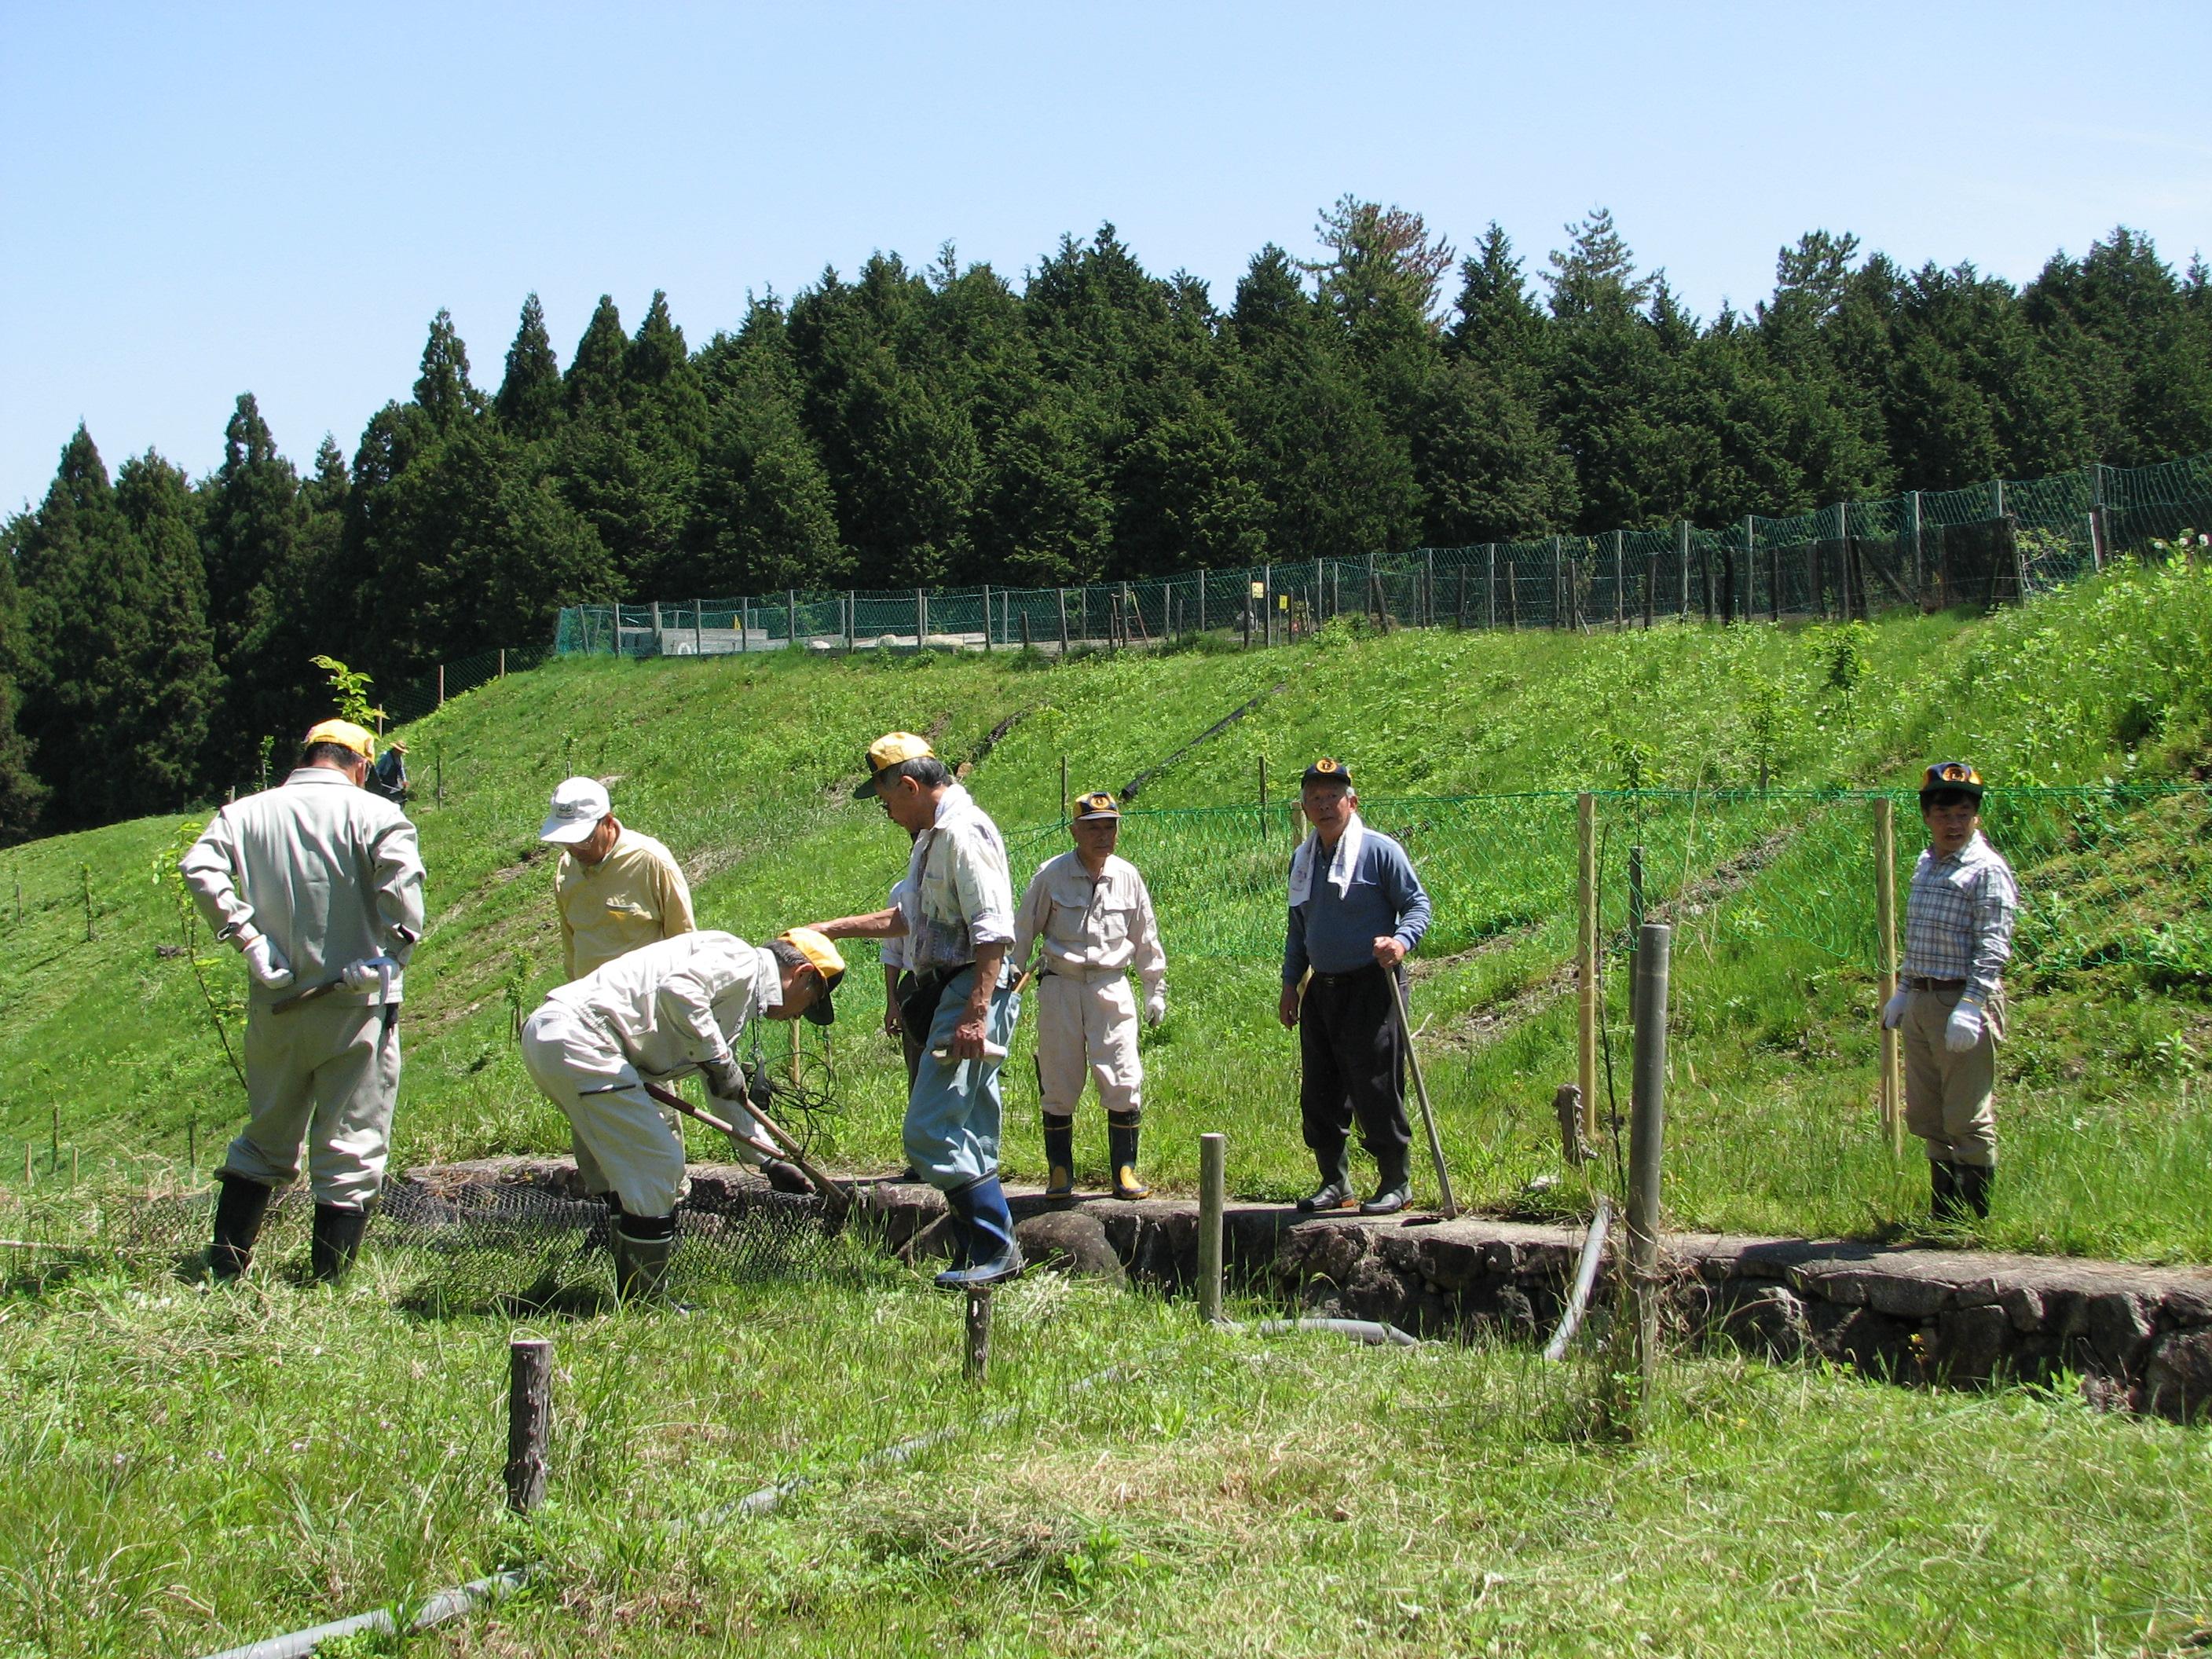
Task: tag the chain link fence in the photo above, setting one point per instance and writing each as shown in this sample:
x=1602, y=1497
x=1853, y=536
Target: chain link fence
x=1992, y=544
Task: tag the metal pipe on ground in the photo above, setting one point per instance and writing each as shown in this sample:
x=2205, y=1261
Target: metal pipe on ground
x=1585, y=1277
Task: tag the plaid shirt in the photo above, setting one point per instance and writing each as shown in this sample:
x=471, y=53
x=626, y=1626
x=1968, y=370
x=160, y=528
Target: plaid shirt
x=1959, y=916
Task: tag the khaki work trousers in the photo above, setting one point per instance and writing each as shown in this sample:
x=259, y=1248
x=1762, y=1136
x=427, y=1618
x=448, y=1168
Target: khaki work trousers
x=320, y=1077
x=1949, y=1099
x=622, y=1146
x=1088, y=1028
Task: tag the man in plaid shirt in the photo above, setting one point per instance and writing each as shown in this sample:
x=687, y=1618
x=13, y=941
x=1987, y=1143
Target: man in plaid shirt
x=1949, y=1005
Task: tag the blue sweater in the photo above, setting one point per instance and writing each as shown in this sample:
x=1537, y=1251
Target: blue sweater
x=1334, y=934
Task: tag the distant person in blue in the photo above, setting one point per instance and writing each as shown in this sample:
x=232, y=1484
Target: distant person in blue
x=1357, y=909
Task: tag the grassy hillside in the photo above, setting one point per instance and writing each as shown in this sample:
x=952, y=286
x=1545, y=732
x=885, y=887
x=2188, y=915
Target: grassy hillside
x=744, y=765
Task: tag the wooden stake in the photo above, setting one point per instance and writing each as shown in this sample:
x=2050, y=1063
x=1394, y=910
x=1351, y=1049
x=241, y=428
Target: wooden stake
x=1885, y=911
x=1063, y=783
x=977, y=1366
x=529, y=1420
x=1586, y=986
x=192, y=1143
x=1213, y=1185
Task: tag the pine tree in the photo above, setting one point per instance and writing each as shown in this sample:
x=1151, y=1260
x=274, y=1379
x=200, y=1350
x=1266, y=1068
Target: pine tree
x=169, y=687
x=529, y=402
x=442, y=391
x=251, y=526
x=594, y=379
x=22, y=795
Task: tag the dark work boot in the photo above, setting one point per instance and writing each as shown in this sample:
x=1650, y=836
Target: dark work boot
x=1059, y=1156
x=1945, y=1203
x=337, y=1240
x=1394, y=1190
x=643, y=1247
x=1974, y=1187
x=1122, y=1152
x=1334, y=1192
x=239, y=1206
x=993, y=1255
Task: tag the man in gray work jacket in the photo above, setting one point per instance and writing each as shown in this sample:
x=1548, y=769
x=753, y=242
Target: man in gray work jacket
x=318, y=884
x=1356, y=909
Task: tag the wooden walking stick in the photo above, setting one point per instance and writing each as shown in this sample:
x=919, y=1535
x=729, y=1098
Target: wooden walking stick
x=1421, y=1088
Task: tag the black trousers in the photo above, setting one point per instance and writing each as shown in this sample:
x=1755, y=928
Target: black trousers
x=1353, y=1052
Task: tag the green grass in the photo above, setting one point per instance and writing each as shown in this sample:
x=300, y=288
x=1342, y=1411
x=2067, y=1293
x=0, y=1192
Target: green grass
x=185, y=1471
x=743, y=765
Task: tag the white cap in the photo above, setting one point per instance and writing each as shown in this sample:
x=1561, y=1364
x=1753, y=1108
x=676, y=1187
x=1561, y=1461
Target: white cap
x=578, y=804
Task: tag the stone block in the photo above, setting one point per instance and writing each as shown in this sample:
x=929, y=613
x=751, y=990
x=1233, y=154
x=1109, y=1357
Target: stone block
x=2120, y=1330
x=1972, y=1345
x=1073, y=1242
x=1907, y=1296
x=2178, y=1382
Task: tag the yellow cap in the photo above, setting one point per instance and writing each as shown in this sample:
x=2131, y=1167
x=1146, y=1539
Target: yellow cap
x=1099, y=805
x=824, y=957
x=347, y=735
x=890, y=750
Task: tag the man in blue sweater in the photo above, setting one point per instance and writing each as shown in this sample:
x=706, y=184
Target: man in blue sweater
x=1356, y=909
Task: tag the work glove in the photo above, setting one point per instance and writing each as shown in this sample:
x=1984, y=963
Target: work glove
x=724, y=1080
x=1892, y=1012
x=1155, y=1007
x=1964, y=1030
x=265, y=962
x=370, y=974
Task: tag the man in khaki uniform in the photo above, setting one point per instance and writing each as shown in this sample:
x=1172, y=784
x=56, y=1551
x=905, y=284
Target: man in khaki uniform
x=615, y=888
x=663, y=1011
x=1949, y=1005
x=1094, y=915
x=318, y=884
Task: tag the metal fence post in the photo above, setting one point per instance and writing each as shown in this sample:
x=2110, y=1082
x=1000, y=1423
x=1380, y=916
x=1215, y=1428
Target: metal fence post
x=1919, y=579
x=1647, y=1134
x=921, y=618
x=2099, y=537
x=1682, y=548
x=1586, y=986
x=986, y=619
x=1490, y=562
x=1619, y=598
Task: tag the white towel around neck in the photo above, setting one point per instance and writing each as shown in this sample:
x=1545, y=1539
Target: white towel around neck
x=1340, y=867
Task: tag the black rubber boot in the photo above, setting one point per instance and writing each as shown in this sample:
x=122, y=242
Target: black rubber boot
x=1059, y=1156
x=1394, y=1191
x=1334, y=1193
x=1945, y=1203
x=239, y=1206
x=337, y=1240
x=1122, y=1149
x=1974, y=1187
x=644, y=1245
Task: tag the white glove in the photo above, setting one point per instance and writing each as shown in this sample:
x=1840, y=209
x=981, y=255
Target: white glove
x=1892, y=1012
x=265, y=962
x=724, y=1080
x=1965, y=1028
x=370, y=973
x=1155, y=1007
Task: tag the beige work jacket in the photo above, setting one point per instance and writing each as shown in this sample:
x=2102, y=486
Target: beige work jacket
x=678, y=1001
x=331, y=873
x=1092, y=929
x=633, y=897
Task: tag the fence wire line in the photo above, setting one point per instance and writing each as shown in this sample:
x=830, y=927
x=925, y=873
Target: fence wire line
x=1996, y=543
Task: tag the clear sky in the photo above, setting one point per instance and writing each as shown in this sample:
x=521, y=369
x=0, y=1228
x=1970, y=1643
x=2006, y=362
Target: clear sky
x=206, y=199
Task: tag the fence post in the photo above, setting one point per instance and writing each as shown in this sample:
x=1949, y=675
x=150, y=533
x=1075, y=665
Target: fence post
x=1429, y=592
x=1647, y=1134
x=744, y=625
x=1490, y=582
x=1513, y=595
x=1063, y=627
x=1619, y=598
x=442, y=685
x=920, y=619
x=1586, y=986
x=656, y=647
x=1650, y=586
x=1682, y=553
x=1212, y=1182
x=791, y=617
x=1885, y=933
x=1267, y=598
x=1201, y=601
x=502, y=662
x=1996, y=488
x=529, y=1420
x=1559, y=610
x=852, y=622
x=1919, y=579
x=2098, y=538
x=986, y=619
x=1063, y=789
x=1248, y=586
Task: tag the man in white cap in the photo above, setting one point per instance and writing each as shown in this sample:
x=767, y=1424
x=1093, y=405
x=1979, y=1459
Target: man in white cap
x=663, y=1011
x=615, y=888
x=1094, y=915
x=318, y=884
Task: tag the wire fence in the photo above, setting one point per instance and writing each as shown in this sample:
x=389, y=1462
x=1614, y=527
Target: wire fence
x=1992, y=544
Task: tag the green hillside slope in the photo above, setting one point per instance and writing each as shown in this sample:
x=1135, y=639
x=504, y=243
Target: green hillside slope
x=744, y=766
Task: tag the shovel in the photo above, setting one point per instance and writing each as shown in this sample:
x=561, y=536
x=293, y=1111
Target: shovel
x=836, y=1199
x=1421, y=1088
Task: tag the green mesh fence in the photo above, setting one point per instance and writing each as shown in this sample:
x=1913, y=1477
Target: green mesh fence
x=1992, y=544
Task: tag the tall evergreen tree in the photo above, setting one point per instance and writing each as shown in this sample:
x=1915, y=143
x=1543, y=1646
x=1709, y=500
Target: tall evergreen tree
x=22, y=795
x=529, y=402
x=442, y=391
x=250, y=529
x=594, y=379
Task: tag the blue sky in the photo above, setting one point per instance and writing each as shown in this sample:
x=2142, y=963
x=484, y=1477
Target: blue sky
x=204, y=200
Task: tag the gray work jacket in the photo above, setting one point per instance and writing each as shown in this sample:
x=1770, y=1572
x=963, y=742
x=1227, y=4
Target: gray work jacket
x=329, y=872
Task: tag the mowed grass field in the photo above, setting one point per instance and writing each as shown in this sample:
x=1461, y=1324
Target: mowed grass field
x=745, y=766
x=185, y=1470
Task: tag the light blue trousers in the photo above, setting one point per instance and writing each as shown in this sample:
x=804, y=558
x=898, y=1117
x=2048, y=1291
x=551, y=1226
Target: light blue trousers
x=953, y=1110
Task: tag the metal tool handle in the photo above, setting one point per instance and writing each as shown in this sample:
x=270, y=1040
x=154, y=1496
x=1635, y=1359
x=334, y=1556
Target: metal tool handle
x=1421, y=1089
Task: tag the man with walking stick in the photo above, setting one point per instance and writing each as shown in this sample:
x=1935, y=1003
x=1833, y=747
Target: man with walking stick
x=1356, y=910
